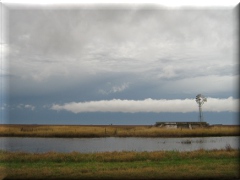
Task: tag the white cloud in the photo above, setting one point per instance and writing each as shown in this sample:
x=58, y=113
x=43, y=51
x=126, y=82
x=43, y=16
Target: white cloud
x=119, y=88
x=20, y=106
x=3, y=107
x=26, y=106
x=149, y=105
x=115, y=88
x=220, y=105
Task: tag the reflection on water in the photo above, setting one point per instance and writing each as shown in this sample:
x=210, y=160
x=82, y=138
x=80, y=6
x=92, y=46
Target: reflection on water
x=115, y=144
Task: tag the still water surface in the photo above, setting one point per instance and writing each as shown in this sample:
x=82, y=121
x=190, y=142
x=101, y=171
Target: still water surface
x=87, y=145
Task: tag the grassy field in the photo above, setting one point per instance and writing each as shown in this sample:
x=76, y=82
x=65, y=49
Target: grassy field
x=113, y=131
x=201, y=164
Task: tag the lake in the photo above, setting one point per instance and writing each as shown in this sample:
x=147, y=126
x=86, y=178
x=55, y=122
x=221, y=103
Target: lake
x=90, y=145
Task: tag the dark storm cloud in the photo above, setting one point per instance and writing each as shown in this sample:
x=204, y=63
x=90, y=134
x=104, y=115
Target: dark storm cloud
x=52, y=50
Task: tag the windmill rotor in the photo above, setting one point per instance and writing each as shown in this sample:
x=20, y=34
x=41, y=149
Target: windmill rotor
x=200, y=99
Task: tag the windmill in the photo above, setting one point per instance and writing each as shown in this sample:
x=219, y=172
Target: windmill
x=200, y=99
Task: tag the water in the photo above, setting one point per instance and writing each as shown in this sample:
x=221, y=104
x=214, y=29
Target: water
x=87, y=145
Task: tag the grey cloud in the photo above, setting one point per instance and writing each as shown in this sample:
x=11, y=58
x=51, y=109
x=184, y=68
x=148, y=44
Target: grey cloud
x=205, y=84
x=60, y=31
x=62, y=48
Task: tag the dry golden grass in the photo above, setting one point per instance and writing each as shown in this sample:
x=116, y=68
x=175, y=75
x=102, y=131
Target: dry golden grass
x=113, y=131
x=3, y=172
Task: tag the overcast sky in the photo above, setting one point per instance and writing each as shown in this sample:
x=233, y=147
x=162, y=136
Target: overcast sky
x=109, y=64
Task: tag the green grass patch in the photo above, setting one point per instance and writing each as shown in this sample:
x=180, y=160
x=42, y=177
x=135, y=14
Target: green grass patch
x=121, y=165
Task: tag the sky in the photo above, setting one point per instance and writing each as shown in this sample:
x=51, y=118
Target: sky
x=118, y=64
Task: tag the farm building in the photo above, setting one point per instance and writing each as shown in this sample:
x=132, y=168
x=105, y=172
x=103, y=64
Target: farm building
x=175, y=125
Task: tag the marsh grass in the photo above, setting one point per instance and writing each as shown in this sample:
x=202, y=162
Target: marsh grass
x=113, y=131
x=121, y=165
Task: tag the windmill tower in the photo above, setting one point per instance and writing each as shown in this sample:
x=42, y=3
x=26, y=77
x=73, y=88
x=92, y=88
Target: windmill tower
x=200, y=99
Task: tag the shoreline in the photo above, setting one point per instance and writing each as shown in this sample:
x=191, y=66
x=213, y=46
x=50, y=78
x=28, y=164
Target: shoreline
x=98, y=131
